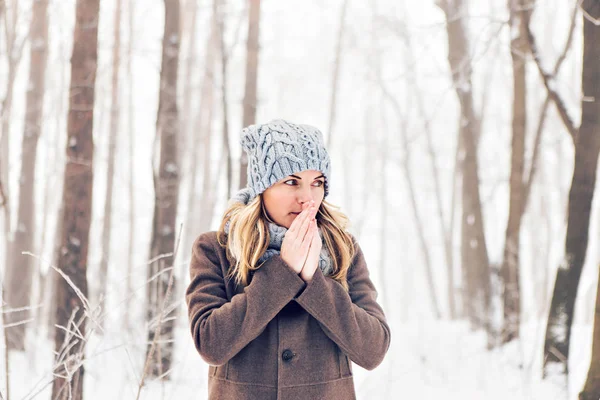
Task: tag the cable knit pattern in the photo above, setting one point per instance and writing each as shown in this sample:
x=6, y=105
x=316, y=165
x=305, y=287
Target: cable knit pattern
x=280, y=148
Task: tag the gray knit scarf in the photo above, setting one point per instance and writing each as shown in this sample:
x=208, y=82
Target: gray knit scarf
x=277, y=233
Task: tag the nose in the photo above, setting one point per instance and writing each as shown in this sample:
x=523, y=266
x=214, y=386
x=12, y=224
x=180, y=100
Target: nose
x=304, y=195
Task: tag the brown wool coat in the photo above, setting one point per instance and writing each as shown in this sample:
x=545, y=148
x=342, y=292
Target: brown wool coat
x=279, y=337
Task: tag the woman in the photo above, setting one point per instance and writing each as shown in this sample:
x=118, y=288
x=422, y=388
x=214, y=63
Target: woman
x=280, y=301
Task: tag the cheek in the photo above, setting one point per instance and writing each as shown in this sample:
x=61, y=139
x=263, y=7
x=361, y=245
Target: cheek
x=319, y=195
x=279, y=204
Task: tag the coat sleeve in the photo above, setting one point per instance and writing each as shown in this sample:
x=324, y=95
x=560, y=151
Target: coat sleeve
x=353, y=320
x=221, y=328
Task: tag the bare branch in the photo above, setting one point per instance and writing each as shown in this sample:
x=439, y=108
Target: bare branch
x=160, y=320
x=17, y=323
x=543, y=114
x=549, y=83
x=442, y=4
x=587, y=16
x=2, y=194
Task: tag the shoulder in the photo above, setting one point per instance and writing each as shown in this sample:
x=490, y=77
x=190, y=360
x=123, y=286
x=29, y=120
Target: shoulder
x=206, y=237
x=207, y=242
x=358, y=257
x=355, y=246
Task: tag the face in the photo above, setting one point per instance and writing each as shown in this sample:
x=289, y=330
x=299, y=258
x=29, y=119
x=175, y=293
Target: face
x=283, y=200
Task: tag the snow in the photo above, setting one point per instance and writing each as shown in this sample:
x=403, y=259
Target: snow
x=426, y=360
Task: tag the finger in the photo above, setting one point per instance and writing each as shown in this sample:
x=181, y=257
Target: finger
x=304, y=232
x=316, y=236
x=310, y=217
x=300, y=223
x=308, y=238
x=297, y=222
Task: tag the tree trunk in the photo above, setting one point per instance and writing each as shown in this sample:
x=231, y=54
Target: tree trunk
x=336, y=74
x=161, y=334
x=186, y=137
x=510, y=262
x=383, y=211
x=474, y=254
x=132, y=209
x=4, y=156
x=587, y=146
x=115, y=118
x=19, y=268
x=2, y=10
x=250, y=101
x=226, y=151
x=53, y=188
x=591, y=389
x=52, y=279
x=419, y=225
x=14, y=51
x=77, y=201
x=202, y=143
x=444, y=229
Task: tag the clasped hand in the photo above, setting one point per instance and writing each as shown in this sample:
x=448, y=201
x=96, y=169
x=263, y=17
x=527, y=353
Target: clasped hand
x=301, y=244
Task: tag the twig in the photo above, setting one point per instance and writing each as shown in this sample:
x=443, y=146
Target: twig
x=587, y=16
x=543, y=114
x=2, y=194
x=160, y=314
x=548, y=82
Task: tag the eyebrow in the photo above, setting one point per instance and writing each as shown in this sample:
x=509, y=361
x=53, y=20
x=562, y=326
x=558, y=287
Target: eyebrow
x=297, y=177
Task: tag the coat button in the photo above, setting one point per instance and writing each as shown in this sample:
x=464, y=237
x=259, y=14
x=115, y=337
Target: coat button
x=287, y=355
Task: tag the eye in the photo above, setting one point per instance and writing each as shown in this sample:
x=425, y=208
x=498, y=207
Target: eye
x=318, y=183
x=293, y=182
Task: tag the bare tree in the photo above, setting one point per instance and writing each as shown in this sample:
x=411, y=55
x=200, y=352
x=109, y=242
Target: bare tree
x=474, y=256
x=14, y=51
x=166, y=182
x=587, y=147
x=219, y=14
x=131, y=131
x=48, y=286
x=383, y=204
x=201, y=211
x=189, y=33
x=2, y=9
x=417, y=96
x=250, y=101
x=591, y=389
x=518, y=17
x=115, y=118
x=406, y=165
x=188, y=141
x=72, y=308
x=336, y=72
x=20, y=268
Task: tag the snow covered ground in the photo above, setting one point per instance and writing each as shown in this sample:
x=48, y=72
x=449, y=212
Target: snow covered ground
x=427, y=360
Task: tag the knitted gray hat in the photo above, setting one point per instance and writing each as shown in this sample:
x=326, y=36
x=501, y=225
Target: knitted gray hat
x=278, y=149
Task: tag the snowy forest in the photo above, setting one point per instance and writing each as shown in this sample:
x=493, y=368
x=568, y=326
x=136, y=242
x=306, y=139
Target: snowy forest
x=464, y=137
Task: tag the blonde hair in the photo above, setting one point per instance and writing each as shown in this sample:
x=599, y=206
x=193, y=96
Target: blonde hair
x=249, y=237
